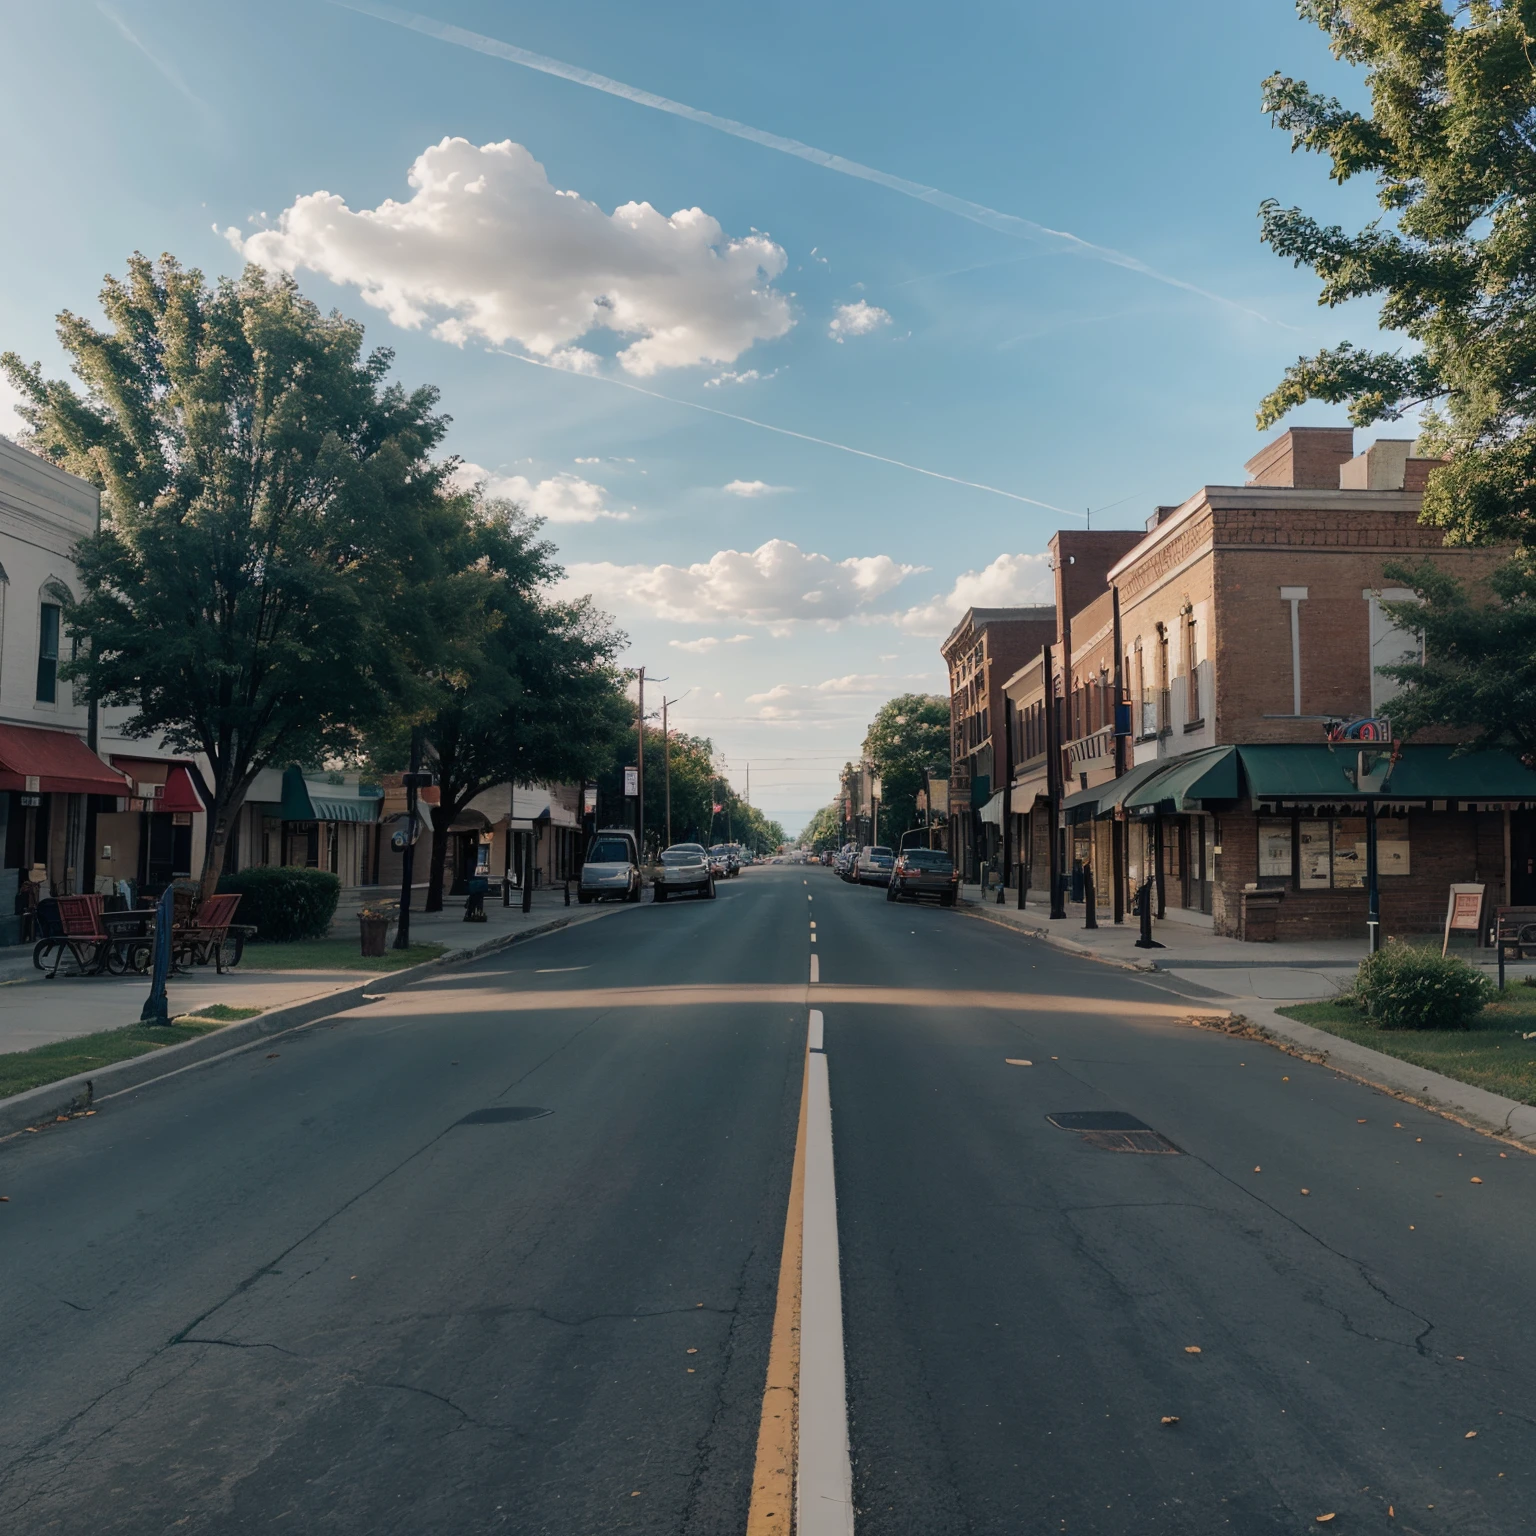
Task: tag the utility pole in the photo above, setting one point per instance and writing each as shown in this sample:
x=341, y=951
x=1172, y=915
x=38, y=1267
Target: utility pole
x=408, y=861
x=640, y=784
x=666, y=766
x=1053, y=777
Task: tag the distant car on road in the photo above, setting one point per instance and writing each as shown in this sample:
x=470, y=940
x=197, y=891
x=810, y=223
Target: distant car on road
x=924, y=872
x=874, y=865
x=725, y=860
x=611, y=868
x=684, y=870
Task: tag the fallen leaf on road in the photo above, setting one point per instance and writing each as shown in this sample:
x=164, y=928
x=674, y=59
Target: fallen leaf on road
x=690, y=1370
x=1359, y=1122
x=1397, y=1125
x=1471, y=1434
x=1016, y=1061
x=1324, y=1519
x=1191, y=1349
x=1306, y=1191
x=1170, y=1418
x=1461, y=1357
x=1476, y=1180
x=1503, y=1154
x=1418, y=1138
x=693, y=1351
x=1391, y=1513
x=1285, y=1079
x=5, y=1199
x=1257, y=1169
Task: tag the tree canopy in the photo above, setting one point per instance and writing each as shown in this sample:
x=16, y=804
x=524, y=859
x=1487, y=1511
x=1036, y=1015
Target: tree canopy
x=908, y=734
x=266, y=578
x=1451, y=143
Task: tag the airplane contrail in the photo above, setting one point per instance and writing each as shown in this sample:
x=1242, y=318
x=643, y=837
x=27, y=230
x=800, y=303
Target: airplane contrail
x=768, y=426
x=977, y=213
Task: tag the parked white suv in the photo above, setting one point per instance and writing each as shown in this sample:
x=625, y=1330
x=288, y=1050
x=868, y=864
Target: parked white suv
x=611, y=868
x=684, y=868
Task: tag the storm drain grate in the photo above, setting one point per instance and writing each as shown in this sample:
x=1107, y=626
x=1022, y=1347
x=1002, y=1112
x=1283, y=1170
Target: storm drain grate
x=1112, y=1130
x=503, y=1113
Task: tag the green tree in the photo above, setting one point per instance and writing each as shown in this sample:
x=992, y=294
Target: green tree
x=1479, y=670
x=526, y=692
x=265, y=579
x=1449, y=143
x=907, y=735
x=821, y=833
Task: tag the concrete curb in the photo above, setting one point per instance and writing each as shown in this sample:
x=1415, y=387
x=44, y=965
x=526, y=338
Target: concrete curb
x=1051, y=937
x=73, y=1095
x=1508, y=1119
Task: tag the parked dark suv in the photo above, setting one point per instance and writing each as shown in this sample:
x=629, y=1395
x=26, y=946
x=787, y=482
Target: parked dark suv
x=924, y=872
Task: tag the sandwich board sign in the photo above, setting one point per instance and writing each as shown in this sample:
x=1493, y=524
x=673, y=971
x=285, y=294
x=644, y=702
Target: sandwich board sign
x=1463, y=913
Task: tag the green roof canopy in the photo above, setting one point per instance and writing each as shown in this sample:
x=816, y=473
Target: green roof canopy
x=1424, y=773
x=304, y=800
x=1103, y=799
x=1187, y=783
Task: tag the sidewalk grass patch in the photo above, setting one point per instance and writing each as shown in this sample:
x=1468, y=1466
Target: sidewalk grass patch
x=21, y=1070
x=219, y=1013
x=331, y=955
x=1492, y=1053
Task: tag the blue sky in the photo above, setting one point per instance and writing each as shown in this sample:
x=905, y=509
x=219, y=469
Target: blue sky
x=787, y=587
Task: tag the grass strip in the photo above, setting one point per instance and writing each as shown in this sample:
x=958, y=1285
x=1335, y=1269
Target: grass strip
x=220, y=1013
x=332, y=955
x=1491, y=1054
x=21, y=1070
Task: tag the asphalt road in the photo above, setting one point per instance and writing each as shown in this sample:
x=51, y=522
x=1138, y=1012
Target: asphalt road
x=296, y=1291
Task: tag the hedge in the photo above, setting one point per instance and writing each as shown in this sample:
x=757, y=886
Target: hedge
x=1401, y=987
x=284, y=902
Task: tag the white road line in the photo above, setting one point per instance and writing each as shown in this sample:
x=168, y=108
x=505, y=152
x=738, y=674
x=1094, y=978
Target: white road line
x=823, y=1470
x=815, y=1034
x=813, y=938
x=815, y=977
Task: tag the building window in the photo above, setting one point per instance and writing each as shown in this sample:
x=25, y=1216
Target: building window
x=1164, y=713
x=1295, y=596
x=48, y=653
x=1191, y=672
x=1390, y=646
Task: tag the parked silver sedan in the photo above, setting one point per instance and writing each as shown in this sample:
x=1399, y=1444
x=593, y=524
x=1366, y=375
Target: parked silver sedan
x=684, y=870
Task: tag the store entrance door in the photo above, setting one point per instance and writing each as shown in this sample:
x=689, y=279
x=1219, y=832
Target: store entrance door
x=1522, y=858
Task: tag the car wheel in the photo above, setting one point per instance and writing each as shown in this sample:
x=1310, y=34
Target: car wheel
x=661, y=894
x=584, y=897
x=947, y=901
x=711, y=891
x=890, y=893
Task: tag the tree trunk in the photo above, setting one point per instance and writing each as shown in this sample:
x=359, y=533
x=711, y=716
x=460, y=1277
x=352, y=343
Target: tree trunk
x=442, y=819
x=213, y=852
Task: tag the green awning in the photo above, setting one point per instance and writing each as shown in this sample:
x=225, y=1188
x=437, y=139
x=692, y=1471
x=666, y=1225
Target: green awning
x=304, y=800
x=1103, y=799
x=1423, y=773
x=1190, y=781
x=981, y=790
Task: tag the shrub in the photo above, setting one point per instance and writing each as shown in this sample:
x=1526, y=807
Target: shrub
x=1401, y=987
x=284, y=902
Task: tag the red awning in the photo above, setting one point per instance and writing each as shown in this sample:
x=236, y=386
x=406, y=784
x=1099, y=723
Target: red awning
x=180, y=792
x=59, y=763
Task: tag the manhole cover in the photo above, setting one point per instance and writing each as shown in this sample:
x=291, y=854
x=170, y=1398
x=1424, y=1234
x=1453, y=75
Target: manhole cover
x=503, y=1113
x=1112, y=1130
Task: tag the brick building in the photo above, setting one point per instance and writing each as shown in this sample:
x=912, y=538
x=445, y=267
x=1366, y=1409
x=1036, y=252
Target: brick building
x=986, y=647
x=1241, y=620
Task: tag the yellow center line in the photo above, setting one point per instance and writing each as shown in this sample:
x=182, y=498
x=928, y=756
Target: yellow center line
x=773, y=1473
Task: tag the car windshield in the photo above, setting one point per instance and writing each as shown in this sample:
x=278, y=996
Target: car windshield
x=609, y=850
x=687, y=853
x=928, y=858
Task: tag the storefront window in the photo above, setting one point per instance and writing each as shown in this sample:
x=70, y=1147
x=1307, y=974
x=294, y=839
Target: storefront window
x=1349, y=853
x=1274, y=852
x=1316, y=843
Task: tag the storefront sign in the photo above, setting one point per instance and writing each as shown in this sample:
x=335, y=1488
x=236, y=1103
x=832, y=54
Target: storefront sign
x=31, y=799
x=1463, y=913
x=34, y=784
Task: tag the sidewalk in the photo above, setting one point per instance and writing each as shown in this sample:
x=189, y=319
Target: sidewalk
x=1279, y=972
x=35, y=1011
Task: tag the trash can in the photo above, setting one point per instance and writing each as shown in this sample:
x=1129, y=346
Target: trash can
x=1259, y=913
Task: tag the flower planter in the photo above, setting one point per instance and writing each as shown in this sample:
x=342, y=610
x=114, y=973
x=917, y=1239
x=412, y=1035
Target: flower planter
x=375, y=935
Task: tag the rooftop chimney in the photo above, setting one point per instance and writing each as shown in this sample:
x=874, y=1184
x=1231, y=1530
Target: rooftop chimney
x=1380, y=468
x=1304, y=458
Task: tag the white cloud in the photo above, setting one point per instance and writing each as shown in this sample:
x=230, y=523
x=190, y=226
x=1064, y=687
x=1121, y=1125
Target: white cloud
x=706, y=643
x=565, y=498
x=776, y=584
x=1010, y=580
x=752, y=488
x=485, y=248
x=857, y=319
x=746, y=376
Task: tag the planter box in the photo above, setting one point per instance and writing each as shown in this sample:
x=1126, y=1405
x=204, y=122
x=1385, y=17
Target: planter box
x=375, y=935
